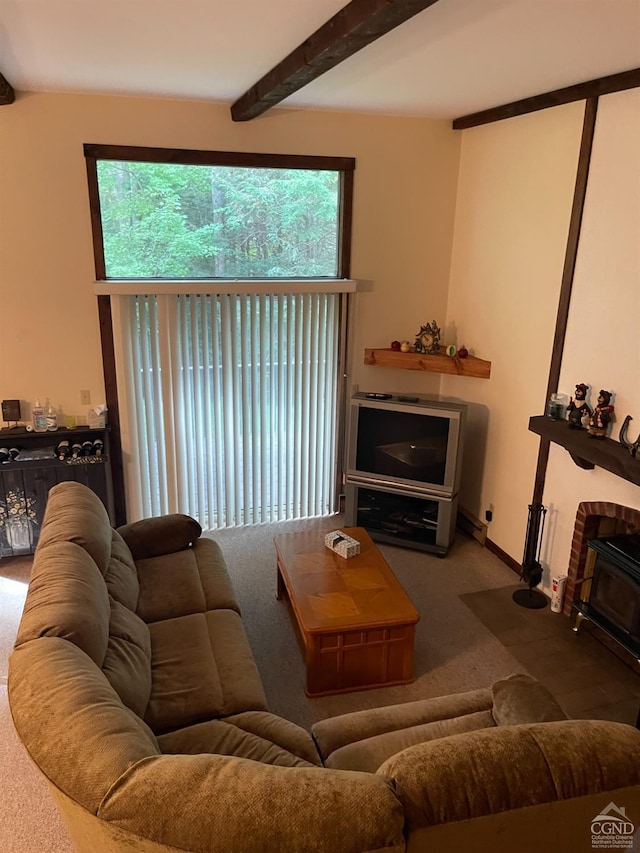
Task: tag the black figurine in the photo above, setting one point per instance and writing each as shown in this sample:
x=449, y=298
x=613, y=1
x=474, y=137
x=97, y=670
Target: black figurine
x=578, y=410
x=601, y=417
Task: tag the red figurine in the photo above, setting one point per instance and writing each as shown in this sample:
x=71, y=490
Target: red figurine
x=601, y=417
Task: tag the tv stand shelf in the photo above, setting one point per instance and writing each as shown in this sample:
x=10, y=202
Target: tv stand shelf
x=423, y=523
x=588, y=452
x=433, y=363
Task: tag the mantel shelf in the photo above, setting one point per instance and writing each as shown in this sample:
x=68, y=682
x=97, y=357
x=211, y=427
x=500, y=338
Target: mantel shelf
x=588, y=452
x=433, y=363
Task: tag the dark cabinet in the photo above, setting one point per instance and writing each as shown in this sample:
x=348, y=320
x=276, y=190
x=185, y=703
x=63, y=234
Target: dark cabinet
x=25, y=481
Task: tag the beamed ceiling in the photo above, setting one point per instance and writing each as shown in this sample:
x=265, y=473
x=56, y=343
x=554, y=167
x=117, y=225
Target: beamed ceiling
x=435, y=58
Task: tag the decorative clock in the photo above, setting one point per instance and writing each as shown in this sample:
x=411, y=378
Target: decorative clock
x=428, y=339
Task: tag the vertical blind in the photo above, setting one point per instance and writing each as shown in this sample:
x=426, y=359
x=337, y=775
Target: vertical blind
x=232, y=405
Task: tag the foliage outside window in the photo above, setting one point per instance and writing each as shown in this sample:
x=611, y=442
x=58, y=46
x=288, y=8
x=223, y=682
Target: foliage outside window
x=166, y=220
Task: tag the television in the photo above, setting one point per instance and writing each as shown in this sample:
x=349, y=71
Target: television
x=408, y=444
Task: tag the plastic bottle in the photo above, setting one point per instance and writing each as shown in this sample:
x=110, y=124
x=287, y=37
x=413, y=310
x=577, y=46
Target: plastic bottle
x=38, y=417
x=52, y=419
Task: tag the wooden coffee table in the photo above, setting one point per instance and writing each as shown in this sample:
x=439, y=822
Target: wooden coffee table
x=354, y=621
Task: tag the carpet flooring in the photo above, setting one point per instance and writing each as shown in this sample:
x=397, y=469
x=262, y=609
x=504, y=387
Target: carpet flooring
x=454, y=651
x=470, y=633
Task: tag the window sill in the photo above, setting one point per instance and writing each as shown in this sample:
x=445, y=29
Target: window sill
x=133, y=287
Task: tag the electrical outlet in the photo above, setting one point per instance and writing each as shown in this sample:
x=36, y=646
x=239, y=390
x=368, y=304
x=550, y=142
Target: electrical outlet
x=85, y=398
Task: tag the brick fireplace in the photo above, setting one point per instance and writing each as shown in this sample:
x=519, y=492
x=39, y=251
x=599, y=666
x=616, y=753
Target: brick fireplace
x=594, y=519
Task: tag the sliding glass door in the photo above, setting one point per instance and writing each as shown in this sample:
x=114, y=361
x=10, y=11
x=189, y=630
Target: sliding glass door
x=232, y=405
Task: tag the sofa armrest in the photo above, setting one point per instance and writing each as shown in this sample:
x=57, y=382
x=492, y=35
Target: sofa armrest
x=234, y=804
x=334, y=733
x=475, y=774
x=164, y=534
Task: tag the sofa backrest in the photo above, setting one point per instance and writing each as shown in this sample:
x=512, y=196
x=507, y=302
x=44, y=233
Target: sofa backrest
x=71, y=720
x=76, y=514
x=81, y=642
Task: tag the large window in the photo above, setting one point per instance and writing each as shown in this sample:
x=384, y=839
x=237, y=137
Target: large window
x=230, y=391
x=215, y=215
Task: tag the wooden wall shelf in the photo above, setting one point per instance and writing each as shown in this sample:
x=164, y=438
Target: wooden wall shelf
x=437, y=363
x=588, y=452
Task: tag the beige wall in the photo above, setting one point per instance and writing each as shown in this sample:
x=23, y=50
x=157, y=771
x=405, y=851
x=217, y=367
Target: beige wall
x=514, y=200
x=492, y=282
x=403, y=219
x=602, y=347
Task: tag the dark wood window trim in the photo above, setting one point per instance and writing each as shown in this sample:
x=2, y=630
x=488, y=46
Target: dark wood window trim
x=95, y=152
x=194, y=157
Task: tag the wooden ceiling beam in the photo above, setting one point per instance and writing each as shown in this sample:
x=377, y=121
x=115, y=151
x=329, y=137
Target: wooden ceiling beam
x=7, y=95
x=355, y=26
x=580, y=92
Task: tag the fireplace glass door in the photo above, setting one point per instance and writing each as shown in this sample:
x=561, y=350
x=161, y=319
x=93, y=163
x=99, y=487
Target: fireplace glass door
x=614, y=601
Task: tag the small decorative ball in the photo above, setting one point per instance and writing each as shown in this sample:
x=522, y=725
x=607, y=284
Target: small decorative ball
x=405, y=346
x=451, y=350
x=463, y=352
x=395, y=345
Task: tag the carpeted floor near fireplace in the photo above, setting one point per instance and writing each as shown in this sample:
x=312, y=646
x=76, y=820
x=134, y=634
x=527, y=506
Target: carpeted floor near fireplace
x=470, y=633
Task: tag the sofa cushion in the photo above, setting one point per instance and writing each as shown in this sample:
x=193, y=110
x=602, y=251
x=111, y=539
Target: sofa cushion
x=282, y=732
x=521, y=699
x=201, y=667
x=121, y=575
x=189, y=581
x=67, y=598
x=71, y=720
x=221, y=737
x=127, y=663
x=76, y=514
x=369, y=754
x=164, y=534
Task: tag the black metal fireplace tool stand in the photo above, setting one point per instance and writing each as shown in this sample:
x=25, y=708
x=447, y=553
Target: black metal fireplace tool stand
x=531, y=572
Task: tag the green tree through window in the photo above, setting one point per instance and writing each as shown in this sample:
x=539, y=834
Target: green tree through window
x=176, y=221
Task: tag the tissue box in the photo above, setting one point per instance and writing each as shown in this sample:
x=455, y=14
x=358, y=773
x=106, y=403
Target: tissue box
x=342, y=544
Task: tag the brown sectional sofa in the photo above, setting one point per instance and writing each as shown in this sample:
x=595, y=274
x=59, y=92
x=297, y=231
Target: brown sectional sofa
x=134, y=690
